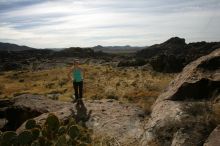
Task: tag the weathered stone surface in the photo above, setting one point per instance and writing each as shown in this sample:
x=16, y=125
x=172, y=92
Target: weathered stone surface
x=214, y=138
x=182, y=115
x=107, y=118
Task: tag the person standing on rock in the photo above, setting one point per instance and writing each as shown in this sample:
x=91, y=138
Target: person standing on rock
x=76, y=75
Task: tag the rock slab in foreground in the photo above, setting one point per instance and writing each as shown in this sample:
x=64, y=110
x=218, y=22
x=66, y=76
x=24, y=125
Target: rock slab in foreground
x=107, y=118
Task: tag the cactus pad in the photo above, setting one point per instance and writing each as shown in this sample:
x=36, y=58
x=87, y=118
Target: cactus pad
x=73, y=132
x=35, y=143
x=25, y=137
x=35, y=133
x=8, y=138
x=62, y=130
x=52, y=123
x=30, y=124
x=62, y=141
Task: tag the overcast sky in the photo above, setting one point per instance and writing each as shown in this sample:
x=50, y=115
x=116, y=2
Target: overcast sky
x=65, y=23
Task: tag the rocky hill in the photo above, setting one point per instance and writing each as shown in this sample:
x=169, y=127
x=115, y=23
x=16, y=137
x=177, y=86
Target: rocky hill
x=170, y=57
x=23, y=59
x=13, y=47
x=175, y=53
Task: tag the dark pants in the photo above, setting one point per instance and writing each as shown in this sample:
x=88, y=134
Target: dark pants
x=78, y=87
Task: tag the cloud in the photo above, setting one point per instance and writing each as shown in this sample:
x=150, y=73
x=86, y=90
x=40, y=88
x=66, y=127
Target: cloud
x=64, y=23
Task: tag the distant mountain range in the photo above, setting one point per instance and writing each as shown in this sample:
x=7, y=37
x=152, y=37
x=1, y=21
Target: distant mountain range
x=169, y=56
x=106, y=49
x=13, y=47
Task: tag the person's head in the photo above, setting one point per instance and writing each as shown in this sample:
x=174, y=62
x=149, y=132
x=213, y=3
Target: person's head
x=76, y=62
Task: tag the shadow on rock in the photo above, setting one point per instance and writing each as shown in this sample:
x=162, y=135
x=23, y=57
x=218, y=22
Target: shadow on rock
x=81, y=115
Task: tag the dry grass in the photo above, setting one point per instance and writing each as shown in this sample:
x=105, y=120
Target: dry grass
x=101, y=82
x=216, y=109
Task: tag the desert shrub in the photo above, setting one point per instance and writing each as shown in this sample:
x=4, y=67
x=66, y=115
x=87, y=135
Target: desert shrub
x=96, y=97
x=136, y=62
x=11, y=66
x=21, y=80
x=53, y=96
x=112, y=97
x=106, y=140
x=118, y=84
x=57, y=91
x=62, y=82
x=52, y=133
x=49, y=85
x=146, y=104
x=110, y=93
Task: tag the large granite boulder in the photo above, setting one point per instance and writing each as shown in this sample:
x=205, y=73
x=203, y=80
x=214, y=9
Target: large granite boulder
x=183, y=114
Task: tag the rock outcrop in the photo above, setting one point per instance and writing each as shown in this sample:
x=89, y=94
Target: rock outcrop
x=120, y=122
x=183, y=115
x=174, y=54
x=213, y=139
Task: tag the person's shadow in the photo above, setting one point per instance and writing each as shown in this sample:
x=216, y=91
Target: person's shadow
x=81, y=115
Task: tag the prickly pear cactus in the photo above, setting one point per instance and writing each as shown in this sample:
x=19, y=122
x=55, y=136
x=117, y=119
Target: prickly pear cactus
x=83, y=144
x=45, y=132
x=35, y=143
x=85, y=138
x=62, y=130
x=71, y=122
x=62, y=141
x=0, y=136
x=30, y=124
x=35, y=133
x=73, y=132
x=73, y=142
x=42, y=141
x=38, y=126
x=52, y=123
x=8, y=138
x=52, y=133
x=25, y=137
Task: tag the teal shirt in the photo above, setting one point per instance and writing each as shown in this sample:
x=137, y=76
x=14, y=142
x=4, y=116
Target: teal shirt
x=77, y=75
